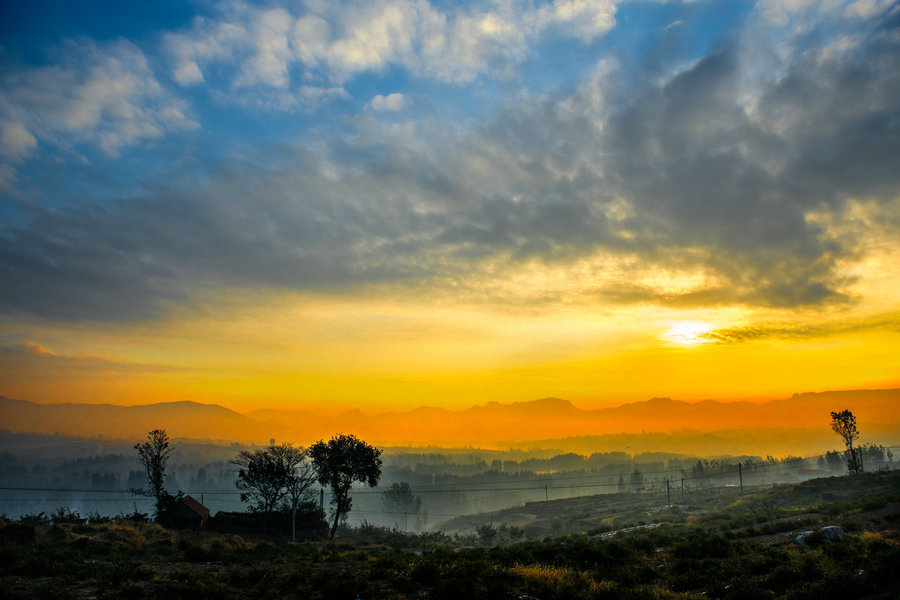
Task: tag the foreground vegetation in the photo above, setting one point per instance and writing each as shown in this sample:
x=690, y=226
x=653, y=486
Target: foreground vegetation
x=722, y=546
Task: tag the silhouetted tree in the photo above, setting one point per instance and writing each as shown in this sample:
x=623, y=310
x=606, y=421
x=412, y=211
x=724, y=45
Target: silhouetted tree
x=301, y=477
x=400, y=499
x=844, y=424
x=338, y=463
x=268, y=476
x=262, y=478
x=154, y=456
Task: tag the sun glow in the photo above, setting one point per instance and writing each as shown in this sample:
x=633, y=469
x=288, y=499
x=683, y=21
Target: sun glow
x=687, y=333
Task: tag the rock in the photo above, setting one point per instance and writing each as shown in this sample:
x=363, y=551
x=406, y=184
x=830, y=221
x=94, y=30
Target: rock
x=803, y=538
x=830, y=533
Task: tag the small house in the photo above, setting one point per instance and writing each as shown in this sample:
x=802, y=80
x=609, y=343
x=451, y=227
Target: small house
x=191, y=511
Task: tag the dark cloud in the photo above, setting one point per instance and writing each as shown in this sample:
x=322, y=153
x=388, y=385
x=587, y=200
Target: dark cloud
x=715, y=170
x=763, y=331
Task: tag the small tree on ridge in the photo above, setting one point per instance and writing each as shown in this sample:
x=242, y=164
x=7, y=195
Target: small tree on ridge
x=844, y=424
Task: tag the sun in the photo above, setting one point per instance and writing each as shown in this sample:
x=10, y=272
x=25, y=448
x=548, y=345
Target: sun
x=686, y=333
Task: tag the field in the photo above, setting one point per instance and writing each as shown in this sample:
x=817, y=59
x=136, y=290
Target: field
x=709, y=544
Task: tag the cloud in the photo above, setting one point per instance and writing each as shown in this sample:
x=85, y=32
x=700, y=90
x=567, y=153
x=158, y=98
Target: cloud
x=586, y=19
x=766, y=331
x=278, y=48
x=732, y=173
x=27, y=356
x=37, y=349
x=391, y=102
x=100, y=94
x=15, y=141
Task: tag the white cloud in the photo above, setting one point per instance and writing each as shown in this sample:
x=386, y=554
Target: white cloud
x=210, y=42
x=587, y=19
x=101, y=94
x=865, y=9
x=335, y=42
x=395, y=101
x=15, y=141
x=803, y=15
x=188, y=73
x=270, y=54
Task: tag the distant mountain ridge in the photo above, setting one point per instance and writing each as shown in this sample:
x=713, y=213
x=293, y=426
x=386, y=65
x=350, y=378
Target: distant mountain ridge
x=542, y=419
x=182, y=418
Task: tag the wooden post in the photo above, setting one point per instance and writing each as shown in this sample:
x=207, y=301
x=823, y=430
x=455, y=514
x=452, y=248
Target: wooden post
x=668, y=494
x=741, y=475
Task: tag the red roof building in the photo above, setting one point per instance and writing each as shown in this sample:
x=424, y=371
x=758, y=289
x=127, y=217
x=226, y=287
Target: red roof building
x=191, y=510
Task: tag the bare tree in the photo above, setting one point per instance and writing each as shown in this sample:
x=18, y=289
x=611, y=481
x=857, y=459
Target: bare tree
x=844, y=424
x=301, y=477
x=154, y=456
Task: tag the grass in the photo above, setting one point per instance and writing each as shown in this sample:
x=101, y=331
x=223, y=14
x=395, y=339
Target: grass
x=720, y=546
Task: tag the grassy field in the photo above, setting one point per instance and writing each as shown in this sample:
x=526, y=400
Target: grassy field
x=713, y=544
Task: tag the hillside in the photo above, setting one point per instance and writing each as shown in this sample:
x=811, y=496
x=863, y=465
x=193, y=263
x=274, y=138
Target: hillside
x=721, y=545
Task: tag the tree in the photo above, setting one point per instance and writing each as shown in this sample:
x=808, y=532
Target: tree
x=338, y=463
x=154, y=455
x=844, y=424
x=636, y=480
x=400, y=499
x=270, y=476
x=301, y=477
x=262, y=478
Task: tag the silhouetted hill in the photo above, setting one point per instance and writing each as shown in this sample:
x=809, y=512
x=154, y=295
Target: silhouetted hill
x=180, y=419
x=493, y=423
x=553, y=418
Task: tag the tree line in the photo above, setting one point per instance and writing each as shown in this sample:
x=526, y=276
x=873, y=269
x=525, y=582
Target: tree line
x=280, y=477
x=275, y=477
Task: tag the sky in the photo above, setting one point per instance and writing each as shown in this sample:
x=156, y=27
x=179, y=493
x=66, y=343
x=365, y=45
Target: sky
x=384, y=204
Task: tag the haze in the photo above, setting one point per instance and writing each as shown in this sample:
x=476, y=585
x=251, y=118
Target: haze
x=329, y=206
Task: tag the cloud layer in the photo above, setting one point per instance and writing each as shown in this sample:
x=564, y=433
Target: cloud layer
x=715, y=171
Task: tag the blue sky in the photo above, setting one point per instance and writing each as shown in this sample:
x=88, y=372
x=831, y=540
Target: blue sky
x=166, y=159
x=186, y=80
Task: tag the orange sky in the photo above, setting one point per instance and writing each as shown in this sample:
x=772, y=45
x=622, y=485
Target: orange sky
x=333, y=354
x=387, y=205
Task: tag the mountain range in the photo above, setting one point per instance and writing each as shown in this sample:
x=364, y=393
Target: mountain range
x=490, y=425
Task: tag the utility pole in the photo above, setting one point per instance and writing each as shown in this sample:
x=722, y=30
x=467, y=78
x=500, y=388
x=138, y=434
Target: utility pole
x=668, y=494
x=546, y=494
x=741, y=475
